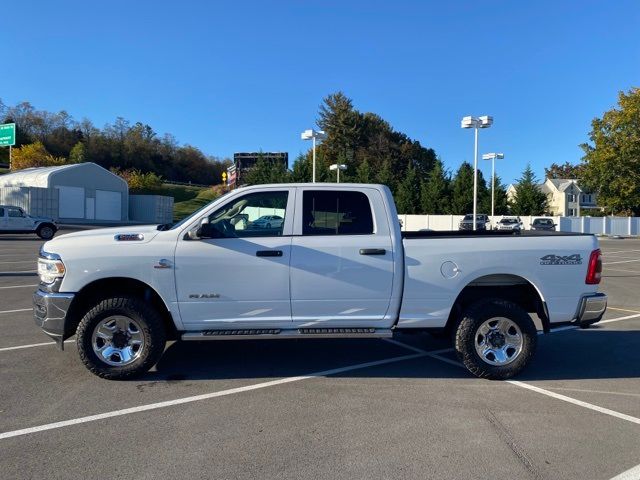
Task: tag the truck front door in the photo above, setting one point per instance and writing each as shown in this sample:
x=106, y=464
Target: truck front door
x=17, y=219
x=242, y=276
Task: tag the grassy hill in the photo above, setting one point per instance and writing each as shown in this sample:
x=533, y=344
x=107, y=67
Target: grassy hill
x=187, y=207
x=186, y=199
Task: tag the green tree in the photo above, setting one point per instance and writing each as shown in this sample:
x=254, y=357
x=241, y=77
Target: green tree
x=34, y=155
x=528, y=198
x=462, y=190
x=78, y=153
x=566, y=170
x=265, y=171
x=408, y=193
x=385, y=175
x=434, y=192
x=363, y=172
x=612, y=157
x=301, y=170
x=501, y=206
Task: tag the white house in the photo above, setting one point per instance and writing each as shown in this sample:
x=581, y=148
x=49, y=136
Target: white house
x=565, y=197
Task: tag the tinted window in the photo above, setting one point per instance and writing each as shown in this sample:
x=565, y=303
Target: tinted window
x=253, y=215
x=1, y=212
x=336, y=213
x=14, y=212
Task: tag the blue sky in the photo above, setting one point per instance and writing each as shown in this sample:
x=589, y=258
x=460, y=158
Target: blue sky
x=243, y=75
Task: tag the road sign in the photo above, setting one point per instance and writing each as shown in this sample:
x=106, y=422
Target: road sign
x=7, y=135
x=224, y=177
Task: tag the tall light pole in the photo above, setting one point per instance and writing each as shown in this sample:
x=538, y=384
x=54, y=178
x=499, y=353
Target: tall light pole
x=313, y=135
x=492, y=157
x=476, y=122
x=338, y=167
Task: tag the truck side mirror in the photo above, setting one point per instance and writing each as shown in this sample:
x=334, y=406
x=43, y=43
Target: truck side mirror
x=209, y=230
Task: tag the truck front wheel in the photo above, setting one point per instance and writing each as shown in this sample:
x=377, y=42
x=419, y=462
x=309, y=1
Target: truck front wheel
x=120, y=337
x=495, y=339
x=46, y=231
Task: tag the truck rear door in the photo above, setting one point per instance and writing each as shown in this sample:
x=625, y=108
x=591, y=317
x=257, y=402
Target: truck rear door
x=342, y=259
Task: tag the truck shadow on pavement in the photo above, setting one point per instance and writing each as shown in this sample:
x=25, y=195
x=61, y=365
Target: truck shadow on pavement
x=577, y=354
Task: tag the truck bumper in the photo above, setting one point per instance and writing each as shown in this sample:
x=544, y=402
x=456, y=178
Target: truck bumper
x=591, y=309
x=50, y=313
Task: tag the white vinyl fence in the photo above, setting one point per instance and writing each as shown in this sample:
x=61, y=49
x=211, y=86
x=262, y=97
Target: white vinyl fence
x=625, y=226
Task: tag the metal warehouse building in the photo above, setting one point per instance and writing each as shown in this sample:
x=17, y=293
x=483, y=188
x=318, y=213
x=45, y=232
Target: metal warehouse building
x=86, y=191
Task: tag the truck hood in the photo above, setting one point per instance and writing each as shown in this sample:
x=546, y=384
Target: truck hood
x=104, y=236
x=41, y=219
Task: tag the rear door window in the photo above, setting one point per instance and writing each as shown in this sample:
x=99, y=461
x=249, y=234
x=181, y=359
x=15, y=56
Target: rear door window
x=326, y=212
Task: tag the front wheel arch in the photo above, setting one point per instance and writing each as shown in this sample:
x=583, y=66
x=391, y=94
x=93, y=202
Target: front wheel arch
x=95, y=291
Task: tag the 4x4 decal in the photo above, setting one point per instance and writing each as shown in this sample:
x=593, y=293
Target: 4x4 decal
x=551, y=259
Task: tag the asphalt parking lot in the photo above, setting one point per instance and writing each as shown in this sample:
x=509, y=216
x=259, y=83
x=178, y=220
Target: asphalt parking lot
x=323, y=409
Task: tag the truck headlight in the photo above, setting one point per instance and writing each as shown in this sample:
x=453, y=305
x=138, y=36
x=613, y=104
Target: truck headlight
x=50, y=267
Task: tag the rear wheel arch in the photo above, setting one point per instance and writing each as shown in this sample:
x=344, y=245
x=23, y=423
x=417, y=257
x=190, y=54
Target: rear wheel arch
x=511, y=287
x=94, y=292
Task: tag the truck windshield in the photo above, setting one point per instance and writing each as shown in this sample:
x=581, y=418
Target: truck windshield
x=188, y=219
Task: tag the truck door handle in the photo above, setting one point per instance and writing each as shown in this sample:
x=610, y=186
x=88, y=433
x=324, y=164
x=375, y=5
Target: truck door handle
x=372, y=251
x=269, y=253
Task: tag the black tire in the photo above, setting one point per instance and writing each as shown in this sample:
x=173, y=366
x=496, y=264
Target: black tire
x=46, y=231
x=151, y=328
x=472, y=320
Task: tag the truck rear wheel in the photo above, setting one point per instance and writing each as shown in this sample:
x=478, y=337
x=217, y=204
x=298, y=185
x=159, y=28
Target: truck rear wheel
x=120, y=337
x=495, y=339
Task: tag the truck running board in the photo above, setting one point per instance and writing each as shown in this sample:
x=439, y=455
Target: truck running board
x=271, y=333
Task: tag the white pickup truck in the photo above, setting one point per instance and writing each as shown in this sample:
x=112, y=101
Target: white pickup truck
x=15, y=220
x=337, y=266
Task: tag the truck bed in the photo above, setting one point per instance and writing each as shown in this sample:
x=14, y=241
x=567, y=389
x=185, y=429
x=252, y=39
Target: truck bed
x=486, y=234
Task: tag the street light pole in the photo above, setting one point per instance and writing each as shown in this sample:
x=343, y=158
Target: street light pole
x=313, y=135
x=492, y=157
x=338, y=167
x=484, y=121
x=313, y=175
x=475, y=177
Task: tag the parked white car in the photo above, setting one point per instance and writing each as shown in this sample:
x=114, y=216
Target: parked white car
x=510, y=223
x=339, y=268
x=268, y=221
x=15, y=220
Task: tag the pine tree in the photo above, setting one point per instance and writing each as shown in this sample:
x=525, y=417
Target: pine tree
x=385, y=175
x=408, y=194
x=434, y=192
x=462, y=190
x=363, y=172
x=528, y=199
x=301, y=170
x=265, y=171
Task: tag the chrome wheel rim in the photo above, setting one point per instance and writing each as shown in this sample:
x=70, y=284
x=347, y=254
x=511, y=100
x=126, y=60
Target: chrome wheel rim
x=46, y=232
x=118, y=340
x=499, y=341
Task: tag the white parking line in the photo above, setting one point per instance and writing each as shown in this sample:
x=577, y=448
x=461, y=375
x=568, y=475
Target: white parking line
x=580, y=403
x=20, y=347
x=18, y=286
x=619, y=251
x=621, y=261
x=557, y=396
x=198, y=398
x=18, y=310
x=19, y=271
x=618, y=270
x=631, y=474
